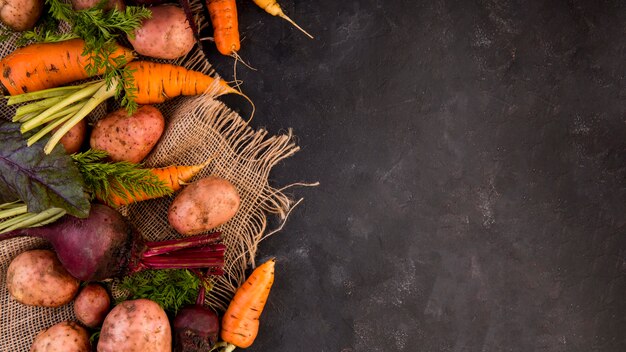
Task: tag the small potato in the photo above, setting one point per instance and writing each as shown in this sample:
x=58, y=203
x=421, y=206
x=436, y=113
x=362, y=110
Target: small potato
x=37, y=278
x=66, y=336
x=136, y=326
x=74, y=138
x=128, y=138
x=203, y=205
x=87, y=4
x=166, y=35
x=92, y=305
x=20, y=15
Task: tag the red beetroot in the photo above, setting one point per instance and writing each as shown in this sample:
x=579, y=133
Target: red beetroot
x=196, y=327
x=104, y=245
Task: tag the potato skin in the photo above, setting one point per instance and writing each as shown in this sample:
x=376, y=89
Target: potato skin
x=74, y=138
x=37, y=278
x=20, y=15
x=66, y=336
x=136, y=326
x=203, y=205
x=128, y=138
x=92, y=305
x=166, y=35
x=87, y=4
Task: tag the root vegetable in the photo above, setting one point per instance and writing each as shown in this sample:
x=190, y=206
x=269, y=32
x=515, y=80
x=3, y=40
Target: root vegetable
x=92, y=305
x=128, y=137
x=136, y=326
x=104, y=245
x=73, y=140
x=165, y=35
x=240, y=324
x=37, y=278
x=66, y=336
x=196, y=327
x=225, y=25
x=20, y=15
x=203, y=205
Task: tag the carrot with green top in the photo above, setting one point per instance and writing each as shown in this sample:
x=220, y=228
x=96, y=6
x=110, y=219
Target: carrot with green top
x=172, y=177
x=47, y=65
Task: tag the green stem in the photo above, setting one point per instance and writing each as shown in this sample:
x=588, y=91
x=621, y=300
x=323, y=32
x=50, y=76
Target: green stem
x=32, y=219
x=14, y=204
x=42, y=94
x=24, y=118
x=12, y=211
x=86, y=92
x=103, y=93
x=49, y=127
x=37, y=106
x=13, y=221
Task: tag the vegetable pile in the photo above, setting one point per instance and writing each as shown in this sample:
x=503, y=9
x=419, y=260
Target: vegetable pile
x=69, y=182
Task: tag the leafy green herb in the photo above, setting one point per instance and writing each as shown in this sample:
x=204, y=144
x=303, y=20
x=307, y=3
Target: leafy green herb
x=105, y=180
x=170, y=288
x=39, y=180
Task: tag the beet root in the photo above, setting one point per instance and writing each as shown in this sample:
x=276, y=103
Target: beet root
x=104, y=245
x=196, y=328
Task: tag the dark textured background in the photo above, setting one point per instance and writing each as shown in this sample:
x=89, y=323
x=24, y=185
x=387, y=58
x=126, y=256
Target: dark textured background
x=472, y=160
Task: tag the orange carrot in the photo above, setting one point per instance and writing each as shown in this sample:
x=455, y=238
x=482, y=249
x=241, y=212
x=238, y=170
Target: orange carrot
x=48, y=65
x=155, y=82
x=240, y=324
x=174, y=177
x=225, y=25
x=272, y=7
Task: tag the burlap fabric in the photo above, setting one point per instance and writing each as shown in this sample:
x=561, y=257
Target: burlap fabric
x=198, y=129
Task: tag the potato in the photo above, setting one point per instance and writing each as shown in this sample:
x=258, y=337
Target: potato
x=37, y=278
x=203, y=205
x=92, y=305
x=129, y=138
x=66, y=336
x=166, y=35
x=74, y=138
x=136, y=326
x=20, y=15
x=87, y=4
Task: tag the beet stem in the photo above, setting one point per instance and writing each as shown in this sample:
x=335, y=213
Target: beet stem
x=162, y=247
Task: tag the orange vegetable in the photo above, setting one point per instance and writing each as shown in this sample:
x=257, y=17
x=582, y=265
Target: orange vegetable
x=225, y=25
x=174, y=178
x=155, y=82
x=240, y=324
x=48, y=65
x=272, y=7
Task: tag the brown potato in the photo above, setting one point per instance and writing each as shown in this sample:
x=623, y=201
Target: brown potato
x=87, y=4
x=166, y=35
x=136, y=326
x=20, y=15
x=203, y=205
x=37, y=278
x=63, y=337
x=74, y=138
x=129, y=138
x=92, y=305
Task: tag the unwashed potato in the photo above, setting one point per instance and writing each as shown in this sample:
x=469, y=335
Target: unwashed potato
x=136, y=326
x=37, y=278
x=92, y=305
x=203, y=205
x=166, y=35
x=20, y=15
x=87, y=4
x=128, y=138
x=74, y=138
x=66, y=336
